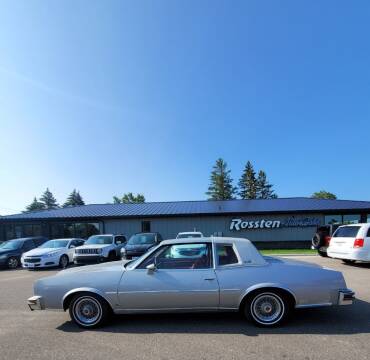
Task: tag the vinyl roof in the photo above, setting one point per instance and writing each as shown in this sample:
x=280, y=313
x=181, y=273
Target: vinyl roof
x=153, y=209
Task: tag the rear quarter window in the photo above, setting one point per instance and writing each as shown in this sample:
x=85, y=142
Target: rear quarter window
x=347, y=231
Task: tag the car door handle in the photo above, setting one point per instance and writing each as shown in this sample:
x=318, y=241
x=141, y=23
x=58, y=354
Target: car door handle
x=209, y=279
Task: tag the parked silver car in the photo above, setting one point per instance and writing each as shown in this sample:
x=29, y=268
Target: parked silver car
x=189, y=275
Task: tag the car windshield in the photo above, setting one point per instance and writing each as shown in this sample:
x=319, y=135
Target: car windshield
x=188, y=235
x=142, y=239
x=347, y=231
x=11, y=245
x=54, y=244
x=99, y=240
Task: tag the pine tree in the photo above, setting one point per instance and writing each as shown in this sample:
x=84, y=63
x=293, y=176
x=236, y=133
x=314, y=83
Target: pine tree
x=74, y=199
x=129, y=198
x=263, y=187
x=248, y=183
x=221, y=187
x=35, y=205
x=49, y=200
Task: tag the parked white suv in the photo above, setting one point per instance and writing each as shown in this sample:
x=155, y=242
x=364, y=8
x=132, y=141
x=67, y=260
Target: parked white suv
x=351, y=243
x=98, y=248
x=189, y=234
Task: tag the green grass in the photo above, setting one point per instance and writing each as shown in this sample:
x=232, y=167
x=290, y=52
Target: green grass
x=289, y=251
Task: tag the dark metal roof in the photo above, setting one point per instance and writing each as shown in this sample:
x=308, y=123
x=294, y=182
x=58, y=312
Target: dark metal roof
x=195, y=208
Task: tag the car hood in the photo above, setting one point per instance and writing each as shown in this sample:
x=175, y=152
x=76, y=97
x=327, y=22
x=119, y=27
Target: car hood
x=43, y=251
x=91, y=268
x=93, y=246
x=138, y=247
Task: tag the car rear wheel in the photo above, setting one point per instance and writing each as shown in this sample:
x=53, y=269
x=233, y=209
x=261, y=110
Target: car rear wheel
x=63, y=261
x=317, y=241
x=322, y=253
x=88, y=310
x=267, y=308
x=12, y=263
x=346, y=261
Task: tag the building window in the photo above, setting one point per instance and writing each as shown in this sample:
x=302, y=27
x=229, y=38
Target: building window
x=18, y=231
x=92, y=229
x=36, y=230
x=9, y=232
x=333, y=219
x=351, y=219
x=145, y=226
x=70, y=230
x=27, y=231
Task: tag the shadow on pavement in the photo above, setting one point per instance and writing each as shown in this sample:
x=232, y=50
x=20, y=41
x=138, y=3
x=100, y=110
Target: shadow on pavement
x=343, y=320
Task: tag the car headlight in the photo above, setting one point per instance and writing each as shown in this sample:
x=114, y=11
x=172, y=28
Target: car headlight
x=51, y=254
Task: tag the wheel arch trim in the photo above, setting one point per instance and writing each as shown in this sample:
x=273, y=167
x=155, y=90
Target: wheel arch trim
x=84, y=289
x=261, y=286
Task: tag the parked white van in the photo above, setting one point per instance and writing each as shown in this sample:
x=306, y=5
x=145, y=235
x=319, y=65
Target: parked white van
x=351, y=243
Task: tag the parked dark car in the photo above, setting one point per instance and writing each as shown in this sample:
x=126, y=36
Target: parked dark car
x=12, y=250
x=139, y=244
x=321, y=239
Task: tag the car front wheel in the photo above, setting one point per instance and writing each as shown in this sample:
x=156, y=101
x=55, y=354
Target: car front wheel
x=12, y=263
x=88, y=310
x=267, y=308
x=64, y=261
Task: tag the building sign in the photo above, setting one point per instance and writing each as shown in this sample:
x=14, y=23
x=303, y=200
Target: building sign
x=240, y=224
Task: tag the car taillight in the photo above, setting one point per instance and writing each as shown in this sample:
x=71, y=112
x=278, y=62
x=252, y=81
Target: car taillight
x=327, y=240
x=358, y=243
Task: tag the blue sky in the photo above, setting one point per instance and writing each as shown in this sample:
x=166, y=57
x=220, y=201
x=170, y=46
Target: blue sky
x=143, y=96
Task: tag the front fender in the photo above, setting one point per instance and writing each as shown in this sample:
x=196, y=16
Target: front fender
x=84, y=289
x=266, y=285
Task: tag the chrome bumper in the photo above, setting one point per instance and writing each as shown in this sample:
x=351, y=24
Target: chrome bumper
x=346, y=297
x=36, y=303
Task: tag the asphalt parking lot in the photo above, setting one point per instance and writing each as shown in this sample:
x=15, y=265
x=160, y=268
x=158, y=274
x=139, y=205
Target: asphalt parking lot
x=330, y=333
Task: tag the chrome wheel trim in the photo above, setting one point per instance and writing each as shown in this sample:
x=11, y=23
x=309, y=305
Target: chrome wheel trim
x=13, y=263
x=87, y=311
x=64, y=261
x=267, y=308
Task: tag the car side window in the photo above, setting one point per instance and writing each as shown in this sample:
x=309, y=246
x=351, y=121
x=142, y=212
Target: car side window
x=226, y=255
x=119, y=240
x=181, y=256
x=28, y=245
x=368, y=233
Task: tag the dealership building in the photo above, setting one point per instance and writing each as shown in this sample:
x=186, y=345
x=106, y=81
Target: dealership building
x=282, y=222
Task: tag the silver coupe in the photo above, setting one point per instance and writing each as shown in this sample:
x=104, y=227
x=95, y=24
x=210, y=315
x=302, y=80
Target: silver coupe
x=190, y=275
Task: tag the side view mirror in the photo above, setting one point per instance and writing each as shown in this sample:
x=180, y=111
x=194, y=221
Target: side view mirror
x=151, y=268
x=72, y=247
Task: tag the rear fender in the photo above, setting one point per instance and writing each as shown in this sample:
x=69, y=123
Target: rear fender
x=263, y=286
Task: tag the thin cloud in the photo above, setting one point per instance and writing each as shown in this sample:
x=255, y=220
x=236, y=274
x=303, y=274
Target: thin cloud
x=57, y=92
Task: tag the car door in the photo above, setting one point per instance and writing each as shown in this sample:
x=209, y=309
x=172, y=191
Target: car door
x=184, y=279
